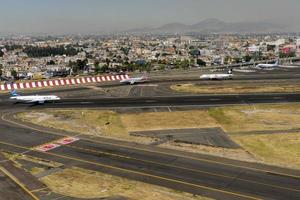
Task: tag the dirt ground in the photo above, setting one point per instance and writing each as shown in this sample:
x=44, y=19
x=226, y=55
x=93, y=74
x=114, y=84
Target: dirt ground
x=113, y=125
x=281, y=148
x=278, y=149
x=236, y=88
x=240, y=122
x=235, y=119
x=81, y=183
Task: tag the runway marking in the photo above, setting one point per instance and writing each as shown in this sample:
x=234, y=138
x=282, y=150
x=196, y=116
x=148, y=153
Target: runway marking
x=12, y=177
x=67, y=140
x=184, y=168
x=153, y=151
x=40, y=189
x=46, y=147
x=55, y=144
x=140, y=173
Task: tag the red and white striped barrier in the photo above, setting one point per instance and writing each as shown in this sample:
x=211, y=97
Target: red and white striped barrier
x=62, y=82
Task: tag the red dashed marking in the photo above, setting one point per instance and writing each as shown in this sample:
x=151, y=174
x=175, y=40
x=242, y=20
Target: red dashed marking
x=47, y=147
x=67, y=140
x=56, y=144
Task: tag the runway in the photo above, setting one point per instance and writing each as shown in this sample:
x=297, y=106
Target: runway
x=172, y=101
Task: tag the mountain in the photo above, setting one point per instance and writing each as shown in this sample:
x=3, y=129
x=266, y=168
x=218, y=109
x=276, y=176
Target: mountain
x=214, y=25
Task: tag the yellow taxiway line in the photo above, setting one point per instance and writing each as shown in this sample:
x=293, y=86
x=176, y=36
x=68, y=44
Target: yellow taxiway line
x=21, y=185
x=140, y=173
x=183, y=168
x=153, y=151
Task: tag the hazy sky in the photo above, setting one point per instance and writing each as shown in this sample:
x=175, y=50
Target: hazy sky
x=95, y=16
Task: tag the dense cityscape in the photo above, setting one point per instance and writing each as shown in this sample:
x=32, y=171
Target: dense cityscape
x=32, y=57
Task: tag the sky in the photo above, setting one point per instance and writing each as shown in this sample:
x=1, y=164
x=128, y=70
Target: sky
x=100, y=16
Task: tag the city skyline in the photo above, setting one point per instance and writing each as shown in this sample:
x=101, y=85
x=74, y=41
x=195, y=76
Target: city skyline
x=101, y=16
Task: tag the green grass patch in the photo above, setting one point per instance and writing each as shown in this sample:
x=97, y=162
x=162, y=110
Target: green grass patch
x=219, y=115
x=278, y=149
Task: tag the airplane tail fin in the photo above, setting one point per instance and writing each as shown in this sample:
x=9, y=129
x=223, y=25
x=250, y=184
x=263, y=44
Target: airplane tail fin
x=229, y=71
x=14, y=93
x=277, y=62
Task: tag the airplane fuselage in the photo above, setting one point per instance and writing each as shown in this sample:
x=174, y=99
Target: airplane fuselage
x=216, y=76
x=266, y=66
x=134, y=80
x=35, y=98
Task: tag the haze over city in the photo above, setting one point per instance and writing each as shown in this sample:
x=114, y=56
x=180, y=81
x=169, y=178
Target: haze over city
x=103, y=16
x=150, y=99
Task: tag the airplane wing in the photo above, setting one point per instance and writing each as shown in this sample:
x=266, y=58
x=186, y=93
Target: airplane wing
x=36, y=101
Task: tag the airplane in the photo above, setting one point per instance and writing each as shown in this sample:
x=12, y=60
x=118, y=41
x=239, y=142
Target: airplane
x=268, y=66
x=33, y=98
x=132, y=81
x=229, y=75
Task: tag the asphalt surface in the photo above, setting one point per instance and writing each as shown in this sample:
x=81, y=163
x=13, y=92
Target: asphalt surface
x=173, y=101
x=215, y=137
x=194, y=173
x=9, y=190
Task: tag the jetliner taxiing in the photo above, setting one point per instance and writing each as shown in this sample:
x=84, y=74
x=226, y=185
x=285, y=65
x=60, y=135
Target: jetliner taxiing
x=132, y=81
x=33, y=98
x=268, y=66
x=229, y=75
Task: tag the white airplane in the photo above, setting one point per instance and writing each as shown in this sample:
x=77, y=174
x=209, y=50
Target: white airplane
x=268, y=66
x=33, y=98
x=229, y=75
x=132, y=81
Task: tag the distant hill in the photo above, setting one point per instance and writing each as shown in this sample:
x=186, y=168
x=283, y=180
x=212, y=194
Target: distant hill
x=214, y=25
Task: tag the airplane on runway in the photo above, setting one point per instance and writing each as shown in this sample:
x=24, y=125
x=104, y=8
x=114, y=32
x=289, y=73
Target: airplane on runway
x=229, y=75
x=132, y=81
x=33, y=98
x=268, y=66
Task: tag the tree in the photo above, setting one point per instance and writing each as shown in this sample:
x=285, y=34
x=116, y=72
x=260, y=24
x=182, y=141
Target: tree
x=201, y=62
x=108, y=61
x=125, y=50
x=97, y=67
x=33, y=51
x=287, y=55
x=247, y=58
x=1, y=67
x=227, y=59
x=157, y=55
x=237, y=60
x=81, y=64
x=185, y=64
x=51, y=62
x=13, y=73
x=104, y=68
x=195, y=52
